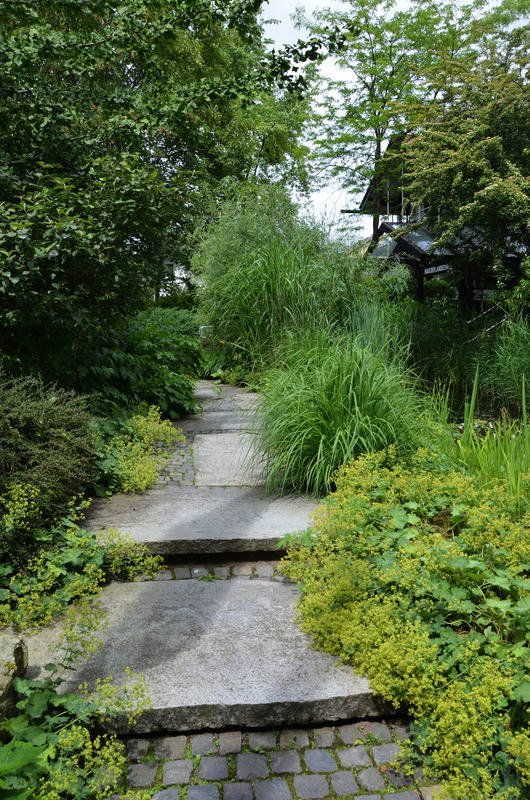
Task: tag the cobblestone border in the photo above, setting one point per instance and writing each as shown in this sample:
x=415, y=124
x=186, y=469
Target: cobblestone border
x=226, y=570
x=352, y=760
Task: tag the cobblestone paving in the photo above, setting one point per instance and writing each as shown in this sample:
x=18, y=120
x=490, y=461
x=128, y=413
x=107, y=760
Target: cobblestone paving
x=222, y=571
x=350, y=760
x=179, y=466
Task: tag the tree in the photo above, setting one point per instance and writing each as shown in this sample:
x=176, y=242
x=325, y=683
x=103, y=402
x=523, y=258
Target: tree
x=117, y=119
x=468, y=163
x=394, y=57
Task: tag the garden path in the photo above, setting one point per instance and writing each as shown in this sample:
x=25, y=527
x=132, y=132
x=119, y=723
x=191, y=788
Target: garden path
x=242, y=707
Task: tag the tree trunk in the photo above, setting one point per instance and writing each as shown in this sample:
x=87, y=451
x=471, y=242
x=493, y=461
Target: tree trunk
x=377, y=191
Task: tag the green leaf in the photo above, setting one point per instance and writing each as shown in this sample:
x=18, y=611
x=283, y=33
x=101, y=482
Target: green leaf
x=522, y=691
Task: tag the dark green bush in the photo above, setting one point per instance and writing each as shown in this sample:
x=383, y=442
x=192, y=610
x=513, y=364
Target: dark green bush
x=45, y=441
x=47, y=456
x=150, y=359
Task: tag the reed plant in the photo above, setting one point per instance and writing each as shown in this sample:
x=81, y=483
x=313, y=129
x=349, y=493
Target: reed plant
x=330, y=399
x=508, y=369
x=489, y=450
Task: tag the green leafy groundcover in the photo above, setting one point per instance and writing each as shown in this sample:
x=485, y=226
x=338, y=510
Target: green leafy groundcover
x=55, y=749
x=418, y=576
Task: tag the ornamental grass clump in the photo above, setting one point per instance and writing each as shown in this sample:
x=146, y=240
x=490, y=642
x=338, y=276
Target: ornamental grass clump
x=418, y=576
x=329, y=401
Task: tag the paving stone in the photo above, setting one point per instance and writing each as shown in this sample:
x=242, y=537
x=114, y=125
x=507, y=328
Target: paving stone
x=367, y=797
x=265, y=570
x=213, y=768
x=183, y=520
x=165, y=794
x=241, y=569
x=356, y=756
x=203, y=793
x=343, y=783
x=137, y=749
x=141, y=775
x=377, y=729
x=320, y=761
x=351, y=733
x=227, y=459
x=181, y=573
x=229, y=742
x=403, y=796
x=237, y=791
x=170, y=747
x=221, y=572
x=199, y=572
x=275, y=789
x=311, y=787
x=202, y=744
x=207, y=663
x=385, y=753
x=262, y=740
x=371, y=779
x=164, y=576
x=401, y=732
x=324, y=737
x=398, y=779
x=294, y=738
x=430, y=792
x=251, y=765
x=285, y=761
x=177, y=772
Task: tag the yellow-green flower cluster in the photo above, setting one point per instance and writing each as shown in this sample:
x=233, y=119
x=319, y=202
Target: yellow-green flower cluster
x=136, y=461
x=417, y=576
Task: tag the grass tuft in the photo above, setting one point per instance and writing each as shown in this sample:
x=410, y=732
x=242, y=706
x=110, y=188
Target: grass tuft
x=330, y=400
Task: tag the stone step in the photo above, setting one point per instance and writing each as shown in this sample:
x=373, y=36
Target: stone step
x=227, y=459
x=214, y=421
x=215, y=655
x=187, y=520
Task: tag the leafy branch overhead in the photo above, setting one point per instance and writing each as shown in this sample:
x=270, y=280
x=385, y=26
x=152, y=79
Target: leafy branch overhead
x=120, y=123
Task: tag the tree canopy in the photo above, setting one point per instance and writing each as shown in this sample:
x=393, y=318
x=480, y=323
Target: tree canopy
x=117, y=120
x=468, y=161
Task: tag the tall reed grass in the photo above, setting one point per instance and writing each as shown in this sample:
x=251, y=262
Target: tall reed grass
x=507, y=373
x=254, y=304
x=331, y=399
x=493, y=451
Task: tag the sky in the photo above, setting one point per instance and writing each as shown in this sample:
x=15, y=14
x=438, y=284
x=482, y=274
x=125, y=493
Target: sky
x=327, y=202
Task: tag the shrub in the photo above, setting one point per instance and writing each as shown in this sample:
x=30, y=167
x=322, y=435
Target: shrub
x=47, y=454
x=130, y=451
x=417, y=576
x=332, y=400
x=150, y=359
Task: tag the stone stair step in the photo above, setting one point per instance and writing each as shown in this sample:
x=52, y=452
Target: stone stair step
x=215, y=655
x=180, y=521
x=215, y=421
x=226, y=459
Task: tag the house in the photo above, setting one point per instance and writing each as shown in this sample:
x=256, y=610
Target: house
x=404, y=233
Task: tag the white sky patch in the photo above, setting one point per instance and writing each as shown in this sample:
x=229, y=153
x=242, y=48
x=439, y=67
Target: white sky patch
x=327, y=202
